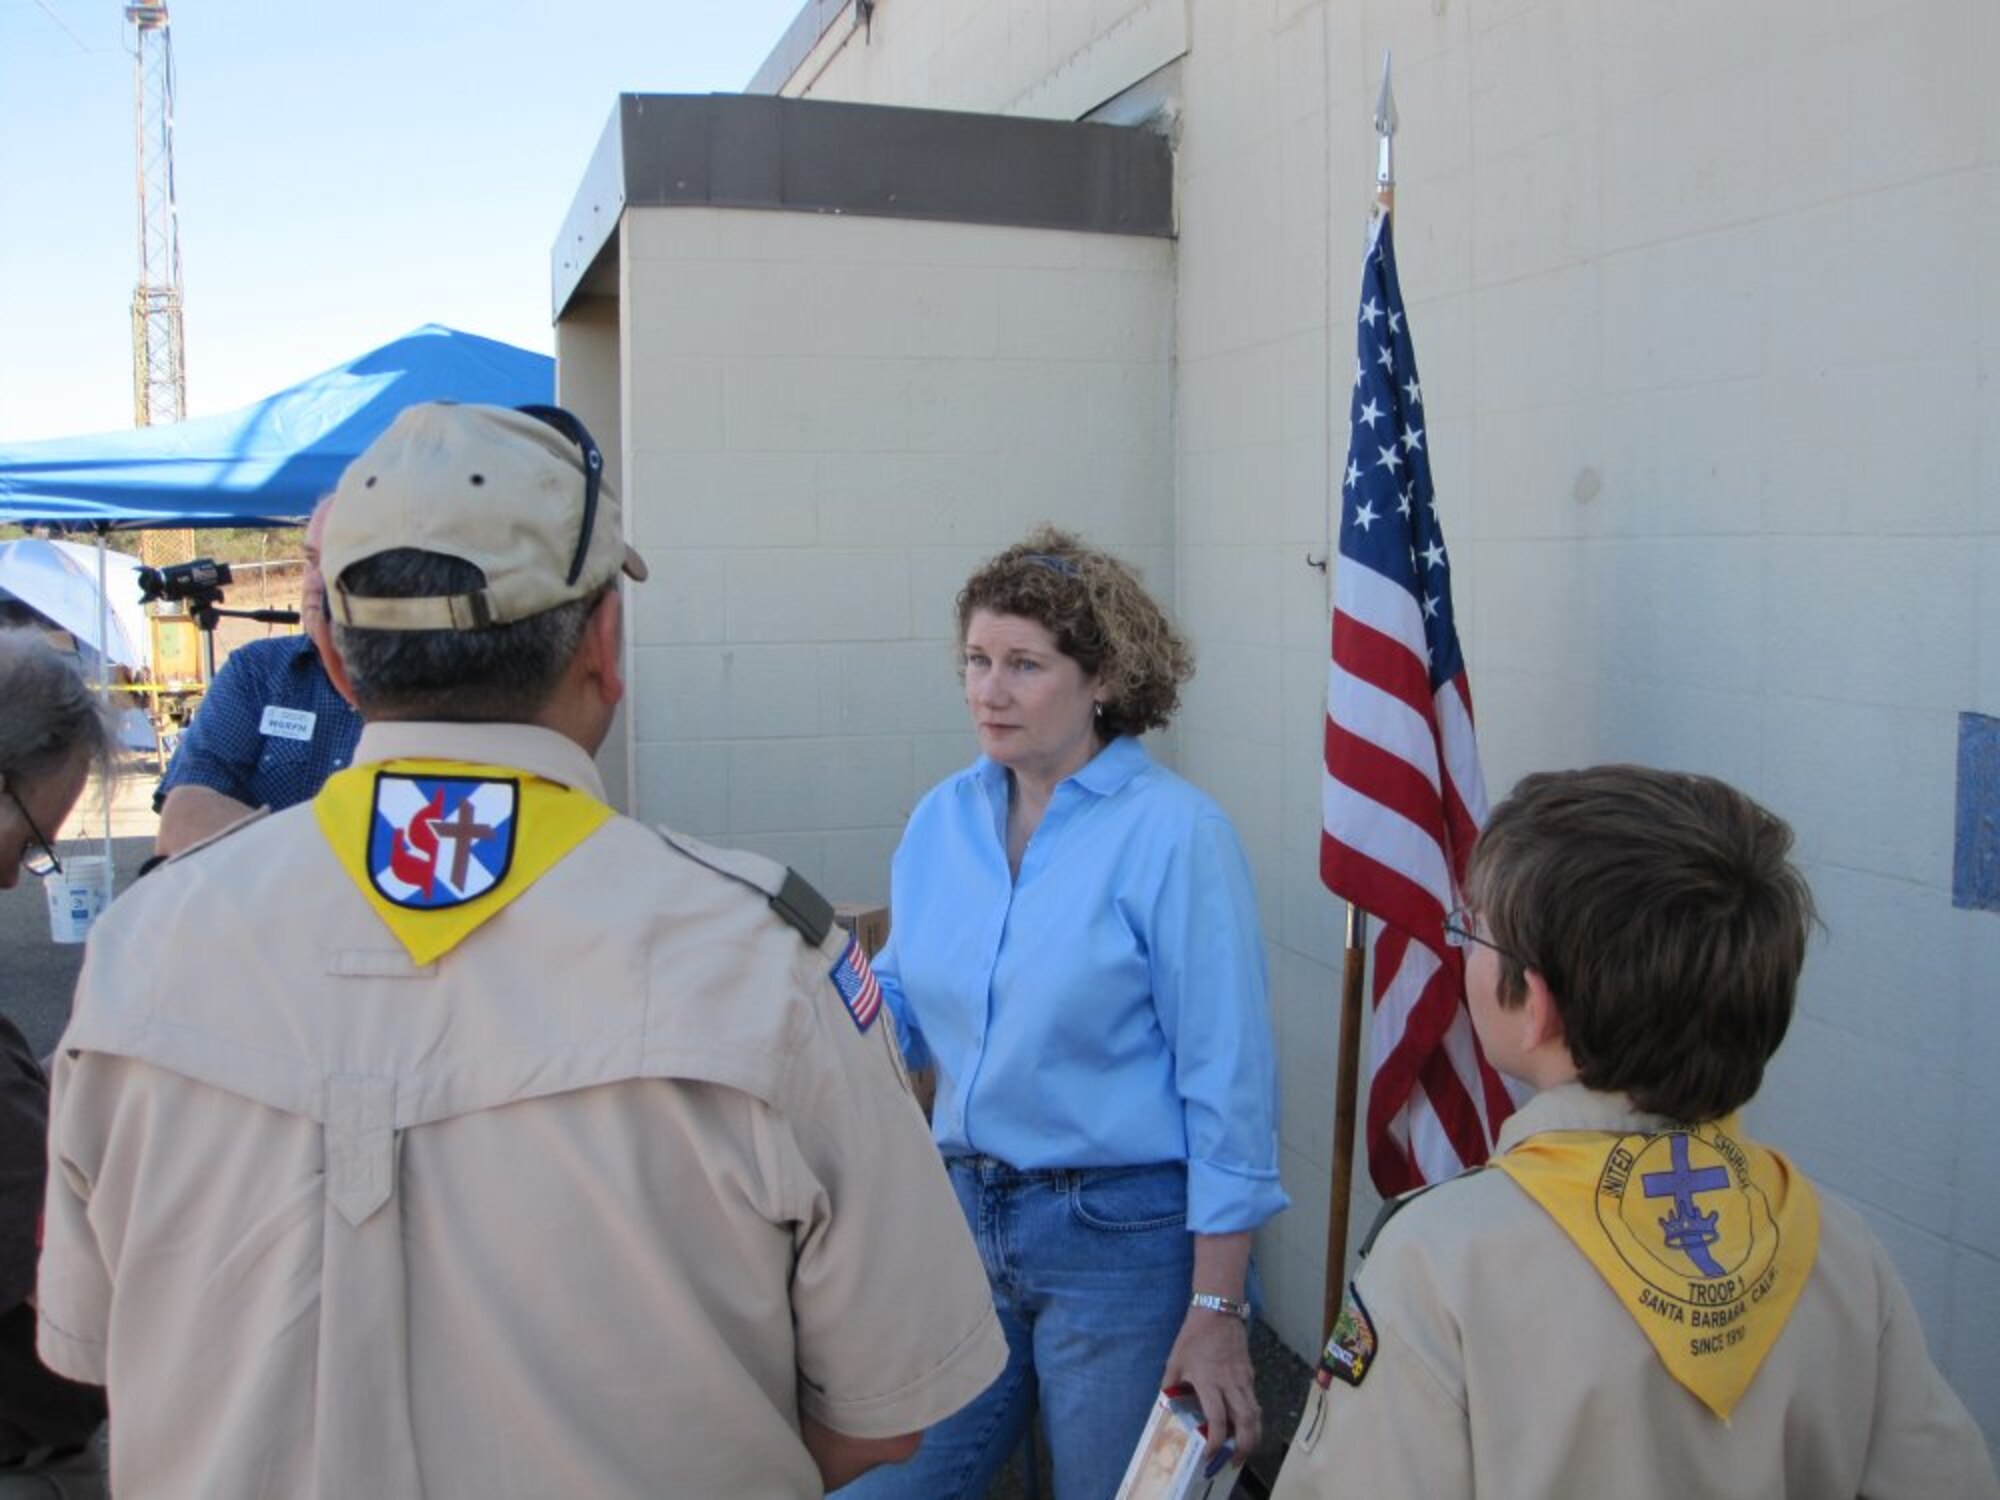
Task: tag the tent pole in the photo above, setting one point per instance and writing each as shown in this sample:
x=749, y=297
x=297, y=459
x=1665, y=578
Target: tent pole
x=104, y=679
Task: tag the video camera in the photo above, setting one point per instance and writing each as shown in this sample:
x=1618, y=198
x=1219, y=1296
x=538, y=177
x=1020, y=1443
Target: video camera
x=196, y=583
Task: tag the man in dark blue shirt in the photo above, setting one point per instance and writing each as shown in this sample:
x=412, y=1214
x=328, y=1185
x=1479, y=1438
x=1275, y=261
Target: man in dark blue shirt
x=271, y=728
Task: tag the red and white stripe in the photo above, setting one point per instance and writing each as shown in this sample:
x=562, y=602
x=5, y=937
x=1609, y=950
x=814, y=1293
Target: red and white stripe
x=1403, y=800
x=854, y=977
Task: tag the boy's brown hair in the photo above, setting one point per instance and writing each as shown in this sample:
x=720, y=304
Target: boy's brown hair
x=1661, y=910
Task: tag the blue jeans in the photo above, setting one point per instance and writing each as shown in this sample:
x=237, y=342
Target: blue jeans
x=1090, y=1270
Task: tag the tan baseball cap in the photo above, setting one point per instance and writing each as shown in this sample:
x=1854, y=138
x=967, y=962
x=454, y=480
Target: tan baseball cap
x=518, y=494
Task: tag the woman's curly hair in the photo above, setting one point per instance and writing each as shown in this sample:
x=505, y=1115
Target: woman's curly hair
x=1101, y=616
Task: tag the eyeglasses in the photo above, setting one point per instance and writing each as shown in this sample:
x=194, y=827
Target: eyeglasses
x=593, y=474
x=1461, y=927
x=39, y=858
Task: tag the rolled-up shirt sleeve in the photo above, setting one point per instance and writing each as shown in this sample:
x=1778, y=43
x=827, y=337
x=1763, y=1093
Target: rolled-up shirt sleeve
x=909, y=1035
x=227, y=748
x=220, y=746
x=1211, y=990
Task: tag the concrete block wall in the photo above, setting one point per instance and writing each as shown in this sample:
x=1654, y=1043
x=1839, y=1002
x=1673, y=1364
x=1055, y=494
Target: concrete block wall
x=1704, y=356
x=587, y=384
x=1256, y=375
x=828, y=422
x=1054, y=59
x=1715, y=447
x=1705, y=302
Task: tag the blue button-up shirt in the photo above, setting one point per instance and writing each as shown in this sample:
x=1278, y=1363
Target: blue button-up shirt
x=1106, y=1008
x=235, y=747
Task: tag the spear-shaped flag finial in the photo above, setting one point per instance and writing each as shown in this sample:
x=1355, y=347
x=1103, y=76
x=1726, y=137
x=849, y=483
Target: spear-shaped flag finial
x=1385, y=130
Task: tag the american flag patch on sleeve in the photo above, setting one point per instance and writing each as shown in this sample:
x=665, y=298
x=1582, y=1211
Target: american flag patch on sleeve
x=855, y=982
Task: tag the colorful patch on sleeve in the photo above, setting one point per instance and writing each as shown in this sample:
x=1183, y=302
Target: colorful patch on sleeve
x=855, y=983
x=440, y=841
x=1350, y=1350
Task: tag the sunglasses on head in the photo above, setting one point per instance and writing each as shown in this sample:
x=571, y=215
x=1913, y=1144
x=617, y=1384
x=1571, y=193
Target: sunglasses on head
x=593, y=473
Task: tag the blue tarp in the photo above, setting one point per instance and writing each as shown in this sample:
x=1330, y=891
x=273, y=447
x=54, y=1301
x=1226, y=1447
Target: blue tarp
x=267, y=462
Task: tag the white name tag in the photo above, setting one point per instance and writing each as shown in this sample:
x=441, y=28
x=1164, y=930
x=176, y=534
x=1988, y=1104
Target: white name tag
x=288, y=723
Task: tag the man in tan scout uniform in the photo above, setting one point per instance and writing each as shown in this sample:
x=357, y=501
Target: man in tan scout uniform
x=1633, y=1299
x=452, y=1135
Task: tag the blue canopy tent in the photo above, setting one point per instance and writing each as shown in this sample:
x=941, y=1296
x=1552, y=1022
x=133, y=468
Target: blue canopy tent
x=265, y=463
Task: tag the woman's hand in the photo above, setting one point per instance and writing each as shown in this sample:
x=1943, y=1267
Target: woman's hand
x=1212, y=1351
x=1212, y=1354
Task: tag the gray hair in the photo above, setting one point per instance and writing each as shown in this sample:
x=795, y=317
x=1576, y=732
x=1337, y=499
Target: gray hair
x=502, y=674
x=49, y=717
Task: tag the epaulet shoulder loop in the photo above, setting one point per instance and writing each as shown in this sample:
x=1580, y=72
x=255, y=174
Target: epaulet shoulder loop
x=1397, y=1204
x=789, y=893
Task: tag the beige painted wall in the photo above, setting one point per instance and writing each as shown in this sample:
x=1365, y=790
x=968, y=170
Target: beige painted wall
x=829, y=421
x=587, y=383
x=1056, y=59
x=1707, y=300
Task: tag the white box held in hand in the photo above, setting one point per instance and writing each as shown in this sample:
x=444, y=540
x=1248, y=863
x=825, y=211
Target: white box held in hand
x=1168, y=1465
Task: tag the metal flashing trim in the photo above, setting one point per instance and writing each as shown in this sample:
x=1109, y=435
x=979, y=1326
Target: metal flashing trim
x=821, y=156
x=578, y=260
x=814, y=20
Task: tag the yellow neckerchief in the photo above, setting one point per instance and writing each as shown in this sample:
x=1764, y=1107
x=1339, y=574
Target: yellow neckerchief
x=439, y=846
x=1706, y=1239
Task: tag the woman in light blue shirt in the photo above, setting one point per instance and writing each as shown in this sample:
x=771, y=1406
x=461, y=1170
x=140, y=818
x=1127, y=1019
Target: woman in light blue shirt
x=1075, y=950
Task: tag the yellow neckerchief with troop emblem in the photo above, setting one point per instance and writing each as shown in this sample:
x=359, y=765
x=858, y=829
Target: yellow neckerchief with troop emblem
x=439, y=846
x=1706, y=1238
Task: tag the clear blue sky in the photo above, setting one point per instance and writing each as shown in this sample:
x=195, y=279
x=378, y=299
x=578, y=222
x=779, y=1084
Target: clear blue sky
x=346, y=172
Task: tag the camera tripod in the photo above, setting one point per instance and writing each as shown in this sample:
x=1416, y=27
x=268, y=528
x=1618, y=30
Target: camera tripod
x=198, y=585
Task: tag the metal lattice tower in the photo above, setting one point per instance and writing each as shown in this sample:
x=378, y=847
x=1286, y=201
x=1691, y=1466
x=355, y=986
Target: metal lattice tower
x=159, y=367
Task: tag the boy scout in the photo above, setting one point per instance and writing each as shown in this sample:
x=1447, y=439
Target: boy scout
x=451, y=1135
x=1633, y=1298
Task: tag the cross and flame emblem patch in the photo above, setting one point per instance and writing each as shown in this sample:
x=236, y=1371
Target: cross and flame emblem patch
x=437, y=842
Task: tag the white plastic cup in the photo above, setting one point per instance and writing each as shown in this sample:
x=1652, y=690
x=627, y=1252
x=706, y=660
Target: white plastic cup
x=78, y=896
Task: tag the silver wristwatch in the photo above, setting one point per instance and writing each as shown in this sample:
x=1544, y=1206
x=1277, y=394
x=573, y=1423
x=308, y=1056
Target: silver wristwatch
x=1212, y=1303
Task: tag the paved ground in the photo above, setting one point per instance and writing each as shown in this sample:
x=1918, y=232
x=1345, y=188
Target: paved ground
x=38, y=977
x=38, y=974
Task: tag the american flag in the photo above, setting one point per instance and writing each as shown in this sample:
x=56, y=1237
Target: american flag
x=1403, y=797
x=856, y=984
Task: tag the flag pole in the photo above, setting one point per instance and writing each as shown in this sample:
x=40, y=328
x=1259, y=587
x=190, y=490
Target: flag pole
x=1385, y=136
x=1347, y=1080
x=1347, y=1077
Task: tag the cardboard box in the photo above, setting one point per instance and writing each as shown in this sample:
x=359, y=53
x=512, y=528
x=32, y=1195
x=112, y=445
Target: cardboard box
x=1168, y=1465
x=869, y=923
